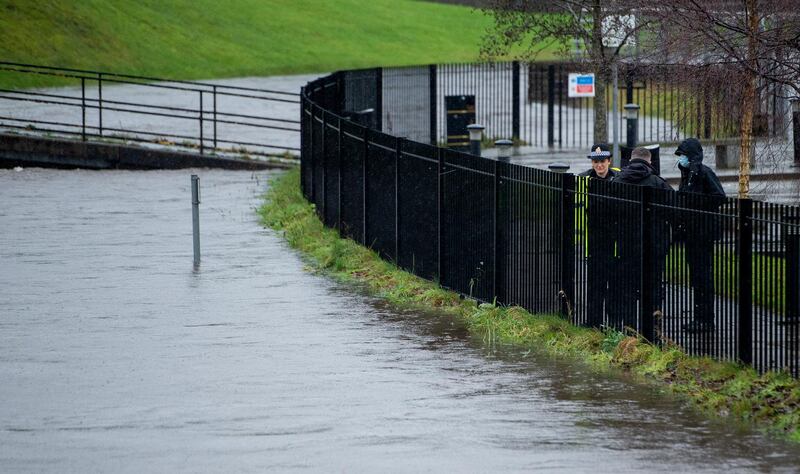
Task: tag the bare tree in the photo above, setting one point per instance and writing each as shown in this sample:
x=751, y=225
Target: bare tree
x=753, y=41
x=536, y=25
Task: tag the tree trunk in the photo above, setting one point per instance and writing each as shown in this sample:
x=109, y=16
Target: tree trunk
x=748, y=101
x=600, y=76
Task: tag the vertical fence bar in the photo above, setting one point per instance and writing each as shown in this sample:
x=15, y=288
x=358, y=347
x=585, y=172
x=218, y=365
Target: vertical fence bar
x=100, y=102
x=83, y=109
x=646, y=277
x=567, y=243
x=515, y=102
x=745, y=270
x=201, y=122
x=433, y=101
x=551, y=98
x=364, y=186
x=324, y=165
x=339, y=177
x=214, y=92
x=313, y=190
x=398, y=150
x=439, y=209
x=379, y=99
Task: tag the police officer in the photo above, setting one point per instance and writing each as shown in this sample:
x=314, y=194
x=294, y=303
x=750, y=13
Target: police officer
x=600, y=155
x=601, y=258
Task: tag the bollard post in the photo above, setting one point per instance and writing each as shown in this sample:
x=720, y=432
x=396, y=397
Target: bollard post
x=196, y=218
x=503, y=150
x=632, y=121
x=558, y=167
x=475, y=137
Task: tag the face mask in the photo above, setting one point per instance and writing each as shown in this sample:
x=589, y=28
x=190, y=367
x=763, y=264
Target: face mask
x=683, y=160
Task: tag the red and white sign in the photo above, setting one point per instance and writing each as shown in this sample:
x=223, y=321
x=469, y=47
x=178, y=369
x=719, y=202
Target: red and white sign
x=581, y=85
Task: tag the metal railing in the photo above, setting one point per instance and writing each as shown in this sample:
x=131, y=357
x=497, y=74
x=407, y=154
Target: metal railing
x=204, y=116
x=716, y=276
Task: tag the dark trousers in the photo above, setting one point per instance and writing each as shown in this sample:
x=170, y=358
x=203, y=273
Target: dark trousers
x=700, y=257
x=600, y=272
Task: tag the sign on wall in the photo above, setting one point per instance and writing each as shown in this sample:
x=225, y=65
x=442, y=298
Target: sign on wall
x=581, y=85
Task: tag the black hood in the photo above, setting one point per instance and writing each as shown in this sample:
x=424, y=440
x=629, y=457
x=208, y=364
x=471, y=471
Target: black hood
x=692, y=149
x=635, y=172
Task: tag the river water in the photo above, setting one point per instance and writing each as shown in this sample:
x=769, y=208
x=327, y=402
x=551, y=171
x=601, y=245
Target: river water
x=117, y=356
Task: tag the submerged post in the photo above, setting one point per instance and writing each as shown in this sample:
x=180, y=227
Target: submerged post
x=196, y=218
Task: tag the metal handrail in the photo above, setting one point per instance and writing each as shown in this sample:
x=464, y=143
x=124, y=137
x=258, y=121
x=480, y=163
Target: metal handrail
x=209, y=116
x=90, y=74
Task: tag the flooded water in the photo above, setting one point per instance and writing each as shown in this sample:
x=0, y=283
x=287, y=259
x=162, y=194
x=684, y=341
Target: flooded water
x=116, y=356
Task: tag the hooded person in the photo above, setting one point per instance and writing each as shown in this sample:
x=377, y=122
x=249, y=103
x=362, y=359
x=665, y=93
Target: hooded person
x=698, y=231
x=600, y=229
x=639, y=173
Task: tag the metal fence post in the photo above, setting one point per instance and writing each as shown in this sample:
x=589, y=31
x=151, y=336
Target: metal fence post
x=397, y=154
x=745, y=270
x=365, y=187
x=214, y=92
x=83, y=109
x=500, y=223
x=100, y=102
x=515, y=102
x=551, y=98
x=339, y=177
x=324, y=207
x=196, y=218
x=312, y=184
x=433, y=102
x=646, y=269
x=379, y=99
x=439, y=213
x=201, y=122
x=567, y=250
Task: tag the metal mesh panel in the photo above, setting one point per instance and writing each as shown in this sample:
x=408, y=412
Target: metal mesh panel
x=381, y=195
x=331, y=164
x=417, y=199
x=352, y=160
x=406, y=102
x=776, y=286
x=532, y=243
x=468, y=226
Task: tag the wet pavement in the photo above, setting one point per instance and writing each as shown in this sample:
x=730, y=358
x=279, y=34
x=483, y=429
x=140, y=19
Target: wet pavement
x=117, y=356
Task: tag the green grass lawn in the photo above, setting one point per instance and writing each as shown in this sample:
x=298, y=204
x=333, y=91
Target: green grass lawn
x=210, y=39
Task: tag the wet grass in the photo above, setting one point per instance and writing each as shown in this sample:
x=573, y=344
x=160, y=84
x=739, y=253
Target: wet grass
x=201, y=39
x=770, y=401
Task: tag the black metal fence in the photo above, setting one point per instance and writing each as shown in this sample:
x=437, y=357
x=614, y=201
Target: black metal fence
x=716, y=276
x=529, y=102
x=204, y=116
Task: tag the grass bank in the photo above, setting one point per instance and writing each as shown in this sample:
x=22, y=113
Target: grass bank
x=770, y=401
x=197, y=39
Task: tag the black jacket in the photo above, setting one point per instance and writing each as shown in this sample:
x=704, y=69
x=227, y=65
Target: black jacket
x=591, y=174
x=698, y=178
x=640, y=173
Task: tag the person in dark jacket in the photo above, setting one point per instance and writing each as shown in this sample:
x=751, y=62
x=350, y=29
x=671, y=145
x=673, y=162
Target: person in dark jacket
x=640, y=173
x=601, y=244
x=698, y=232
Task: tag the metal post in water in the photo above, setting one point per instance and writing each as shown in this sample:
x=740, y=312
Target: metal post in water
x=196, y=218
